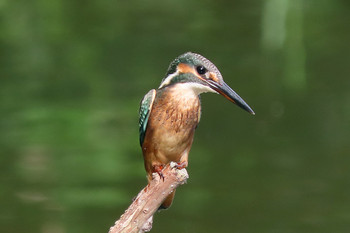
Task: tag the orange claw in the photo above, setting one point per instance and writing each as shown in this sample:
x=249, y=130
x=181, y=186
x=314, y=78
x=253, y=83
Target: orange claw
x=159, y=169
x=180, y=165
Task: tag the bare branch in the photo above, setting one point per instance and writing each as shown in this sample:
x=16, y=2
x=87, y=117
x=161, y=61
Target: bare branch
x=138, y=218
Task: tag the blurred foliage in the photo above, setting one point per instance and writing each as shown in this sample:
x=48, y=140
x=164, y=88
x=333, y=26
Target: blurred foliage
x=72, y=76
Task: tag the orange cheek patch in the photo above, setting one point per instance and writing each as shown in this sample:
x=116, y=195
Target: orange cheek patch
x=213, y=77
x=184, y=68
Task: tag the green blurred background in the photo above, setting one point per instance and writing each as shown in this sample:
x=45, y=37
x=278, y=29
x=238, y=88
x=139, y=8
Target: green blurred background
x=73, y=73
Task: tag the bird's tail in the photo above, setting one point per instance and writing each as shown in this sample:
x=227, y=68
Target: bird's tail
x=167, y=202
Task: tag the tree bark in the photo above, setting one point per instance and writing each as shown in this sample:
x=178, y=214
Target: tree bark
x=138, y=218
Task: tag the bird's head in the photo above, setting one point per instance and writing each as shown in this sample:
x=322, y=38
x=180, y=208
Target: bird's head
x=201, y=75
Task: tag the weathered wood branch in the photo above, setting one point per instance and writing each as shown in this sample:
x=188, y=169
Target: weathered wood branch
x=138, y=218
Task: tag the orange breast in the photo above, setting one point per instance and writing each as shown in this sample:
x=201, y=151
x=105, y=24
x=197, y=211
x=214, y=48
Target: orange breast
x=171, y=125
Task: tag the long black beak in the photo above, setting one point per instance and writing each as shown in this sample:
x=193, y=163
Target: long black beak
x=231, y=95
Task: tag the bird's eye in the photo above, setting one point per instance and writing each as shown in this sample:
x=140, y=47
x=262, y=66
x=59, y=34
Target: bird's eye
x=201, y=70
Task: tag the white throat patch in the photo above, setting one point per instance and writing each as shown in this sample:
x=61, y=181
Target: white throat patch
x=195, y=87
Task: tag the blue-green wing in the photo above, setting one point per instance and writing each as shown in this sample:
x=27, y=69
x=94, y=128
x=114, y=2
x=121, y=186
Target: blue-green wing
x=144, y=112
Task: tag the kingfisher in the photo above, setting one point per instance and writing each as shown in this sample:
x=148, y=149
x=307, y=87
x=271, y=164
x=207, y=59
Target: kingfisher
x=169, y=115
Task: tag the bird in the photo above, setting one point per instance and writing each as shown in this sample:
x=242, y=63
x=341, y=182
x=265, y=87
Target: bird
x=169, y=115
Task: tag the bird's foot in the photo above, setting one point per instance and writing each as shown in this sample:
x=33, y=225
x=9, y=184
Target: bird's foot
x=158, y=169
x=180, y=165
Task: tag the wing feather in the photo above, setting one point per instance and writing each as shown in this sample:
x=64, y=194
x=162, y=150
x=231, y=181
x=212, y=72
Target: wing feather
x=144, y=112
